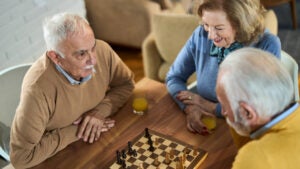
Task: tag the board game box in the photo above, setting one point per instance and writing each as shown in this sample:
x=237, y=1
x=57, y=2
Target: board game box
x=153, y=150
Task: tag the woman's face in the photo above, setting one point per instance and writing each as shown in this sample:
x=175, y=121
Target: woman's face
x=218, y=27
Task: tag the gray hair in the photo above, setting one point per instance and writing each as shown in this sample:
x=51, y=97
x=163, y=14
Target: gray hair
x=257, y=78
x=58, y=27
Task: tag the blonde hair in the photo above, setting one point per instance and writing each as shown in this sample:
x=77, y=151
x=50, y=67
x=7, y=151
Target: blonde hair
x=245, y=16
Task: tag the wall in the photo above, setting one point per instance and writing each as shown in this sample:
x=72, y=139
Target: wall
x=21, y=36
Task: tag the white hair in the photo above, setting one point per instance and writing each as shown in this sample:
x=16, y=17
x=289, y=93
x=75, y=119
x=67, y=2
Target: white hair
x=257, y=78
x=58, y=27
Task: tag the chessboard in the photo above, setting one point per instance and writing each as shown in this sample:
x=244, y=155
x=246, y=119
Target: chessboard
x=153, y=150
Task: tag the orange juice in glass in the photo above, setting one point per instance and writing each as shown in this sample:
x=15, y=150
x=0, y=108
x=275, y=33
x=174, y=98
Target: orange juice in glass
x=140, y=103
x=209, y=122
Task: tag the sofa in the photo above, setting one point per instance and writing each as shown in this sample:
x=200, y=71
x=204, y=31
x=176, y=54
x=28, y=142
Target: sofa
x=169, y=33
x=123, y=22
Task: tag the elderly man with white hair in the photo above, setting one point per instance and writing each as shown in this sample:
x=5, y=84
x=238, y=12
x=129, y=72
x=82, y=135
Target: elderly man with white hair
x=68, y=93
x=256, y=93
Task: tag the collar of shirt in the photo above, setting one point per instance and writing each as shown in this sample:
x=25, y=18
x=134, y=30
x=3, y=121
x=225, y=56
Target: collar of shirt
x=274, y=121
x=70, y=79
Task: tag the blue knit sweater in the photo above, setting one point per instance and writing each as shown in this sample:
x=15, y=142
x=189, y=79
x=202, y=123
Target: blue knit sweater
x=195, y=57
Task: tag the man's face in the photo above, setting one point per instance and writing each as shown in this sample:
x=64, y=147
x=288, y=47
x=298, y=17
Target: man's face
x=79, y=54
x=240, y=125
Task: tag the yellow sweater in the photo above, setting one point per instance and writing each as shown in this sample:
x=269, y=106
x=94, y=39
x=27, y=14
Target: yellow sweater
x=50, y=104
x=279, y=148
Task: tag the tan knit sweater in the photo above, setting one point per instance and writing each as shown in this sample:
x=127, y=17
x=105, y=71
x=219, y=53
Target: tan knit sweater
x=50, y=104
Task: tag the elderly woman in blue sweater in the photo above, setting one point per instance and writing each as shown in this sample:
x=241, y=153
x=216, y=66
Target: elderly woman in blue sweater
x=227, y=25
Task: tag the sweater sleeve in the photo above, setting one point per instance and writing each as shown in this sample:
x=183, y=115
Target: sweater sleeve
x=121, y=84
x=31, y=143
x=182, y=68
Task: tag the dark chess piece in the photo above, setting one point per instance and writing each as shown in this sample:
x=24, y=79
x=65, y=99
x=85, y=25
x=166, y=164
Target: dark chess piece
x=130, y=150
x=123, y=152
x=151, y=148
x=134, y=153
x=147, y=134
x=123, y=164
x=119, y=160
x=150, y=141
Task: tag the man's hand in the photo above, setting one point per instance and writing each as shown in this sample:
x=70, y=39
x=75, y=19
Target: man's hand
x=91, y=125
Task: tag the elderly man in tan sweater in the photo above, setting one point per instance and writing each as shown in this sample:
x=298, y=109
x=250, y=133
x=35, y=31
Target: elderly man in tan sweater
x=68, y=93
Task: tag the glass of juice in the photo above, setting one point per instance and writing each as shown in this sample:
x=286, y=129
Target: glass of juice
x=209, y=122
x=139, y=103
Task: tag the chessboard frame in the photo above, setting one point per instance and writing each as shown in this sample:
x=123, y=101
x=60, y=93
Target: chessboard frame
x=194, y=164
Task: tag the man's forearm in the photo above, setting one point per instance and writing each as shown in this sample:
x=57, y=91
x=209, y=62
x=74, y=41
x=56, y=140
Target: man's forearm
x=24, y=154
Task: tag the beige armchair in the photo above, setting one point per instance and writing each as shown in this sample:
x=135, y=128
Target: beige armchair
x=122, y=22
x=160, y=48
x=169, y=34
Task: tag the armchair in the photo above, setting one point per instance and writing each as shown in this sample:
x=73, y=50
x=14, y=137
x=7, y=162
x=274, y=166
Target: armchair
x=10, y=87
x=291, y=65
x=160, y=48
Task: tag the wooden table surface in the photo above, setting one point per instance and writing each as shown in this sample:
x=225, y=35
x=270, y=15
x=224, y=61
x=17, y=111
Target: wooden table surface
x=163, y=116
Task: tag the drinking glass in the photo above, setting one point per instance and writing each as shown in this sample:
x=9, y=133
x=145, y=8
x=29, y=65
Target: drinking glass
x=139, y=103
x=209, y=122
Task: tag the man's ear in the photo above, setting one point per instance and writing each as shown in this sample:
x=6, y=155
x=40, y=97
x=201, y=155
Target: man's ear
x=248, y=113
x=54, y=57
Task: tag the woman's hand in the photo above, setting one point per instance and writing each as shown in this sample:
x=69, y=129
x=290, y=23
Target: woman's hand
x=190, y=98
x=194, y=114
x=195, y=108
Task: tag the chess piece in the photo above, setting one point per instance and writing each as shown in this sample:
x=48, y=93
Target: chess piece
x=178, y=165
x=150, y=142
x=156, y=162
x=151, y=148
x=185, y=150
x=181, y=163
x=123, y=164
x=167, y=158
x=172, y=153
x=134, y=153
x=156, y=141
x=130, y=150
x=183, y=157
x=195, y=152
x=147, y=134
x=118, y=157
x=141, y=166
x=124, y=154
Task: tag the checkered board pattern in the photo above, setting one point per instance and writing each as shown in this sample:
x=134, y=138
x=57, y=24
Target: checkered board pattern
x=162, y=145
